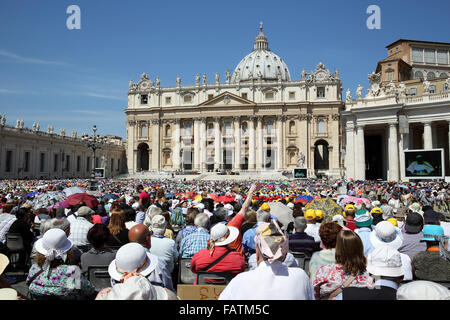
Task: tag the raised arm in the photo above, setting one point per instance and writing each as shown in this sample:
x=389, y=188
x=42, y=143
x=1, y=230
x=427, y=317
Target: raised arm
x=248, y=200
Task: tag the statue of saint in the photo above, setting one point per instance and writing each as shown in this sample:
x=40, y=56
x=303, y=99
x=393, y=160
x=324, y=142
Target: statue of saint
x=197, y=79
x=301, y=160
x=217, y=77
x=204, y=78
x=348, y=97
x=228, y=76
x=178, y=81
x=359, y=92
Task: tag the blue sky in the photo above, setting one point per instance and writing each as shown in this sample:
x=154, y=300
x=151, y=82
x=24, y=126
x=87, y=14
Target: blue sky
x=74, y=79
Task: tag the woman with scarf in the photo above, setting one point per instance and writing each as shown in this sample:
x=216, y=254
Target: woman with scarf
x=271, y=280
x=52, y=276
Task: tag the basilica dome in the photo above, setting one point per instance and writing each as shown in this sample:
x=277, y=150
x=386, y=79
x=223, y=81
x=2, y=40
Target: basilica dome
x=261, y=63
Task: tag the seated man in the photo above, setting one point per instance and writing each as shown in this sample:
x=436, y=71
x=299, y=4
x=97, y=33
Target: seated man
x=271, y=279
x=248, y=239
x=299, y=241
x=162, y=246
x=198, y=240
x=160, y=275
x=434, y=263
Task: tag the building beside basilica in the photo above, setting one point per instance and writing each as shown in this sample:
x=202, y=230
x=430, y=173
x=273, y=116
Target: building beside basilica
x=31, y=153
x=259, y=118
x=406, y=108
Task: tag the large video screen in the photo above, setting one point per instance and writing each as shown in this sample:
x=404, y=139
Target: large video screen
x=424, y=164
x=300, y=173
x=99, y=173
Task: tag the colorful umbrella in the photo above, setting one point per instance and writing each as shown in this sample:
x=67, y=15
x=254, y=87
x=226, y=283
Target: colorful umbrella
x=328, y=206
x=88, y=199
x=355, y=200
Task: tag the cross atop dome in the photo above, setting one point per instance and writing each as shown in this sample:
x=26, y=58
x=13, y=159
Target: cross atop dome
x=261, y=42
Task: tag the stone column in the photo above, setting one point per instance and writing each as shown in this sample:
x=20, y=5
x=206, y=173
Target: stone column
x=196, y=165
x=237, y=143
x=279, y=140
x=260, y=145
x=176, y=146
x=155, y=144
x=251, y=143
x=360, y=173
x=131, y=159
x=403, y=145
x=349, y=151
x=427, y=136
x=203, y=135
x=217, y=144
x=393, y=153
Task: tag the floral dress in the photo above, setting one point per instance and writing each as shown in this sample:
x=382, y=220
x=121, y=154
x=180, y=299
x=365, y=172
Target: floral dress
x=64, y=282
x=330, y=277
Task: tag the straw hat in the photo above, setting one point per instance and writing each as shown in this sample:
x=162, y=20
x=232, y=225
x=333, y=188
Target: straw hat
x=220, y=231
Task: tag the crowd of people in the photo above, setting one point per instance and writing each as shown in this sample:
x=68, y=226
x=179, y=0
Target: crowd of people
x=383, y=240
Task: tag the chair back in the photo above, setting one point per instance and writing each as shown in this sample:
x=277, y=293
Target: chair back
x=185, y=275
x=215, y=278
x=99, y=277
x=14, y=242
x=303, y=259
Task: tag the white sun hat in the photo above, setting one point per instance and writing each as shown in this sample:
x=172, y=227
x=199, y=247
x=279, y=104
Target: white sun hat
x=385, y=261
x=385, y=234
x=223, y=235
x=53, y=245
x=131, y=258
x=422, y=290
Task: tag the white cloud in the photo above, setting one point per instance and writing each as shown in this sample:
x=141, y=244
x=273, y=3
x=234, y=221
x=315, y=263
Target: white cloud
x=22, y=59
x=104, y=96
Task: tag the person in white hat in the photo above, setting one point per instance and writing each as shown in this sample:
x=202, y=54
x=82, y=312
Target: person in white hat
x=52, y=273
x=130, y=271
x=384, y=265
x=423, y=290
x=218, y=257
x=385, y=234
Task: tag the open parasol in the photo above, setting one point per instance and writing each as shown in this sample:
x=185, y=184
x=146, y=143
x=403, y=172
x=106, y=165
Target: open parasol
x=328, y=206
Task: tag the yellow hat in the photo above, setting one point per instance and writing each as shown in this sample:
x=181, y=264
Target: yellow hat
x=265, y=207
x=350, y=207
x=393, y=221
x=319, y=213
x=376, y=210
x=310, y=214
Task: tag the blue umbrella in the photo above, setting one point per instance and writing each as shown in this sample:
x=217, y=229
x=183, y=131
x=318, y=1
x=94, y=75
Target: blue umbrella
x=110, y=196
x=31, y=194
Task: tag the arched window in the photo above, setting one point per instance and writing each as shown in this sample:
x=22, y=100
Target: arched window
x=443, y=75
x=418, y=75
x=321, y=155
x=431, y=75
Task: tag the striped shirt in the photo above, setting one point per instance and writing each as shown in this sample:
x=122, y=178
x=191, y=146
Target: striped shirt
x=78, y=231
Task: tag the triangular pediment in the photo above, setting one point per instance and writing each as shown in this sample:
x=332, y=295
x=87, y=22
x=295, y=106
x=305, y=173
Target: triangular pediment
x=226, y=98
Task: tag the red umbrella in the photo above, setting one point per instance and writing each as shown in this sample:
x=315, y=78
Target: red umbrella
x=76, y=198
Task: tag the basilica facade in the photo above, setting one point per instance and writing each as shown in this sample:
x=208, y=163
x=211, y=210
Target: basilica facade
x=258, y=118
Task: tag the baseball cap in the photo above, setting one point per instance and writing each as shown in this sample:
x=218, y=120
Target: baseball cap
x=413, y=223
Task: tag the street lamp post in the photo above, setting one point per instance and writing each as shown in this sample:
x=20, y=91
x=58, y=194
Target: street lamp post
x=94, y=142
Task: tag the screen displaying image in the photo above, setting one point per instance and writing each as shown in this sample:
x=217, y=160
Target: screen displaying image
x=300, y=173
x=423, y=164
x=99, y=173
